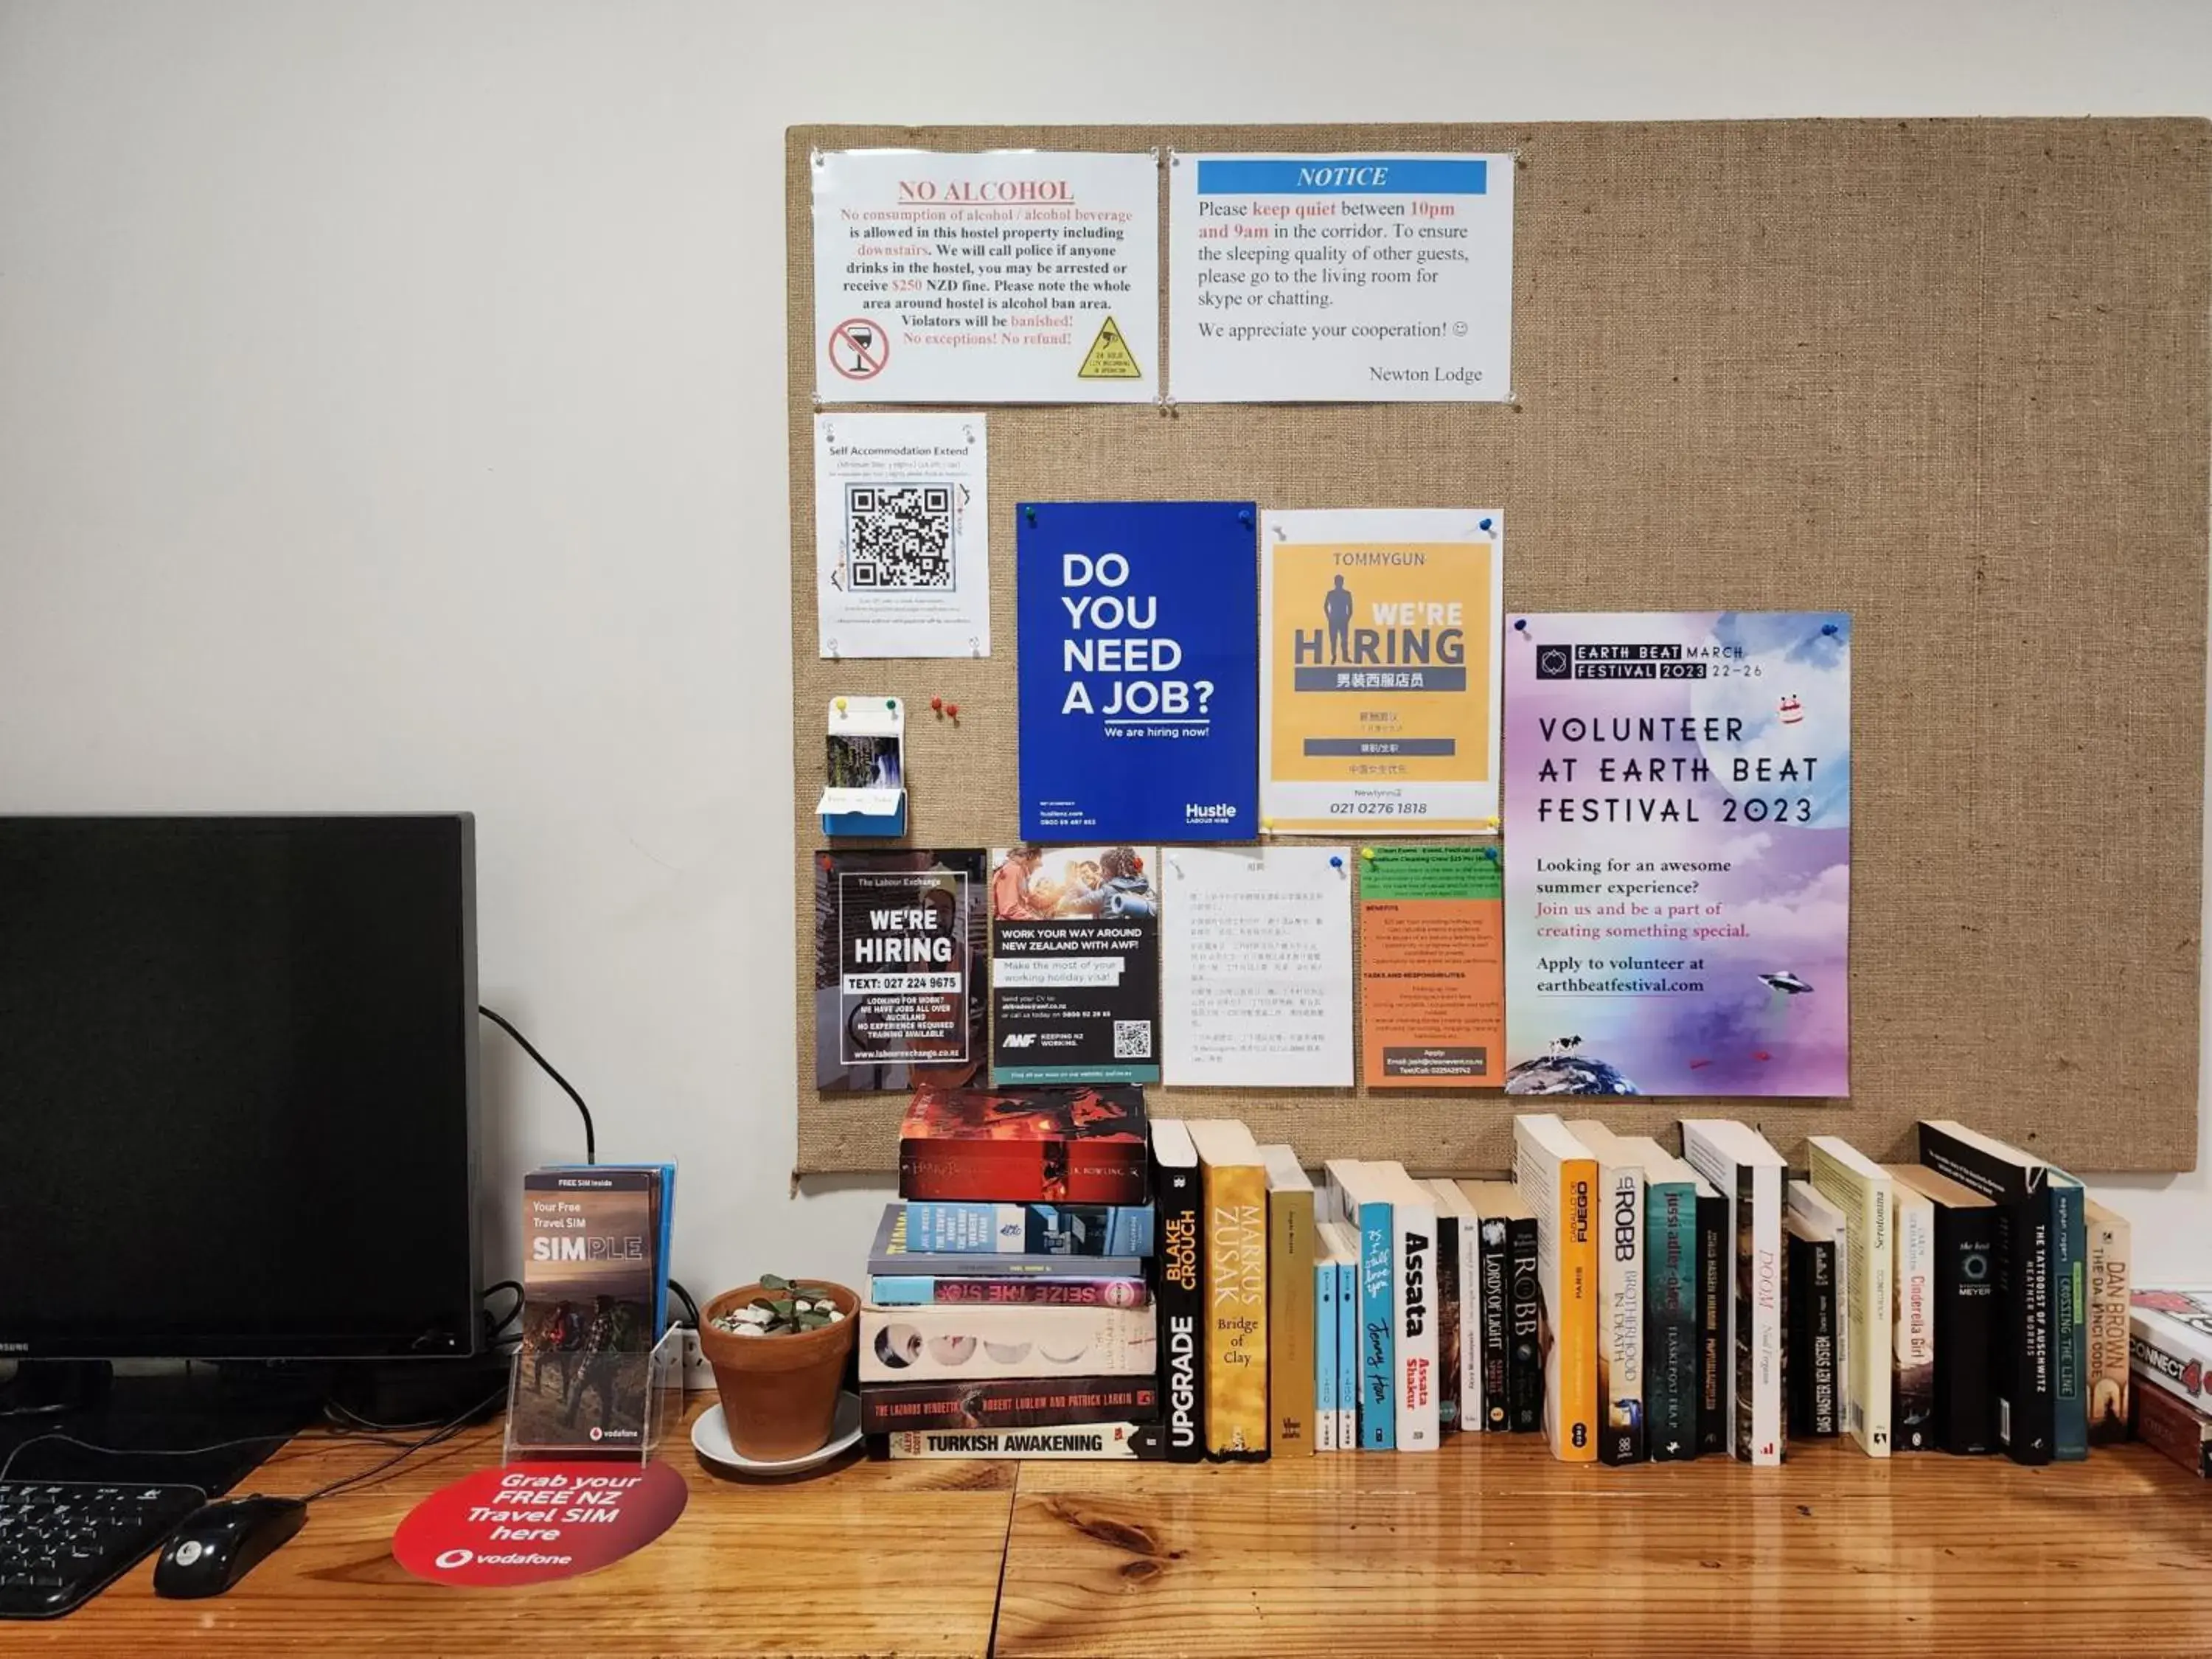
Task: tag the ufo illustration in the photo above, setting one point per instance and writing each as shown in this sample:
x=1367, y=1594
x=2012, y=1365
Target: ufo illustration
x=1789, y=982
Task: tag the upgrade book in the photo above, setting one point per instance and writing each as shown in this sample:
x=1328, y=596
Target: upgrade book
x=1181, y=1295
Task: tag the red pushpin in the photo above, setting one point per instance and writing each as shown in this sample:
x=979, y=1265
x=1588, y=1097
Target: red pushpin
x=937, y=703
x=952, y=710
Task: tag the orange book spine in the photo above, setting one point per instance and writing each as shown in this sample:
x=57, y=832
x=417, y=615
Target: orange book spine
x=1575, y=1328
x=1236, y=1294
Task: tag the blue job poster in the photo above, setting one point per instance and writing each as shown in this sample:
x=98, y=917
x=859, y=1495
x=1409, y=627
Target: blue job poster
x=1140, y=639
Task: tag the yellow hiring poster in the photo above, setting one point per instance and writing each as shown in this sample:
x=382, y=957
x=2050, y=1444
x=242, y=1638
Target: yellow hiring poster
x=1379, y=670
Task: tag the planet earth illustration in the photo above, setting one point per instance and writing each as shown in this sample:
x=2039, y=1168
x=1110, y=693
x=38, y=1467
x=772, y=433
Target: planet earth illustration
x=1568, y=1074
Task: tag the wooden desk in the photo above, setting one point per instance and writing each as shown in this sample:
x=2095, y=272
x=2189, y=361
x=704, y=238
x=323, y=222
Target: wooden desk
x=1490, y=1547
x=874, y=1557
x=1487, y=1546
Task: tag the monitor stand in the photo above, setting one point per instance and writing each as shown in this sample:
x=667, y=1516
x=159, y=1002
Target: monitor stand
x=202, y=1426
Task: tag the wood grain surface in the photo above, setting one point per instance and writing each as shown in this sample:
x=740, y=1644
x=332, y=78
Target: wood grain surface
x=864, y=1558
x=1489, y=1546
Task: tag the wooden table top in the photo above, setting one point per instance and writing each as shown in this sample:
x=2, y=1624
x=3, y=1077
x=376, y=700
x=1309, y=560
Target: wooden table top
x=865, y=1558
x=1488, y=1545
x=1485, y=1546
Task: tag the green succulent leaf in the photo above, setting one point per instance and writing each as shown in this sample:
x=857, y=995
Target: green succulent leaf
x=770, y=1282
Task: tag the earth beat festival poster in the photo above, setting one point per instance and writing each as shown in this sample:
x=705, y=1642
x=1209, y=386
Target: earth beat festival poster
x=1678, y=859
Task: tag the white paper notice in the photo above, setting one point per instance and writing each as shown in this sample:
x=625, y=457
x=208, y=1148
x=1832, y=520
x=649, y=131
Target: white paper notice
x=1373, y=279
x=1255, y=976
x=901, y=536
x=1014, y=276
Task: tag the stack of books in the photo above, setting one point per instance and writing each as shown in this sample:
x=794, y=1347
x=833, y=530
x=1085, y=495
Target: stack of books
x=1010, y=1311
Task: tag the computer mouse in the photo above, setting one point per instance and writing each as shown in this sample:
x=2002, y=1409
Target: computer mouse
x=219, y=1543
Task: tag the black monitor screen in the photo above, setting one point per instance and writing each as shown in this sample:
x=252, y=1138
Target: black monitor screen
x=237, y=1086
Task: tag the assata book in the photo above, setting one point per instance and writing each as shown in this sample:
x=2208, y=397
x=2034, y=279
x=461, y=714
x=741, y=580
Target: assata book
x=1138, y=664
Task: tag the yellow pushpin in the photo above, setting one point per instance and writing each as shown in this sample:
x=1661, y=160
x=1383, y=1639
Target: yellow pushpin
x=841, y=705
x=1489, y=823
x=1266, y=823
x=1367, y=852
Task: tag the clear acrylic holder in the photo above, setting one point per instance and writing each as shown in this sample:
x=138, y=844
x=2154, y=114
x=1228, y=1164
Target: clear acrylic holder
x=564, y=1404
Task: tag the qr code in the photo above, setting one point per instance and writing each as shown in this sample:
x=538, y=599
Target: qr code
x=1132, y=1039
x=901, y=535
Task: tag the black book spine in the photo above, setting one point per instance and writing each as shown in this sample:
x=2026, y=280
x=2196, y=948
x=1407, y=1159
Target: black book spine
x=1524, y=1381
x=1180, y=1295
x=2026, y=1406
x=1494, y=1263
x=1811, y=1294
x=1966, y=1328
x=1716, y=1279
x=1449, y=1292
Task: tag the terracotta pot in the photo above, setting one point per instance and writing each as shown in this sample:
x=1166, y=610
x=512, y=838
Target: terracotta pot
x=778, y=1392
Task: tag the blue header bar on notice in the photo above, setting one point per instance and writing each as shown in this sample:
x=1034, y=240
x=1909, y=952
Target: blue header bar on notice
x=1343, y=175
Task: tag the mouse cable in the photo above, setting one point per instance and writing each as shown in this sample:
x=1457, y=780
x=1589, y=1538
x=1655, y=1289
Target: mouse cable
x=591, y=1135
x=435, y=1437
x=684, y=1296
x=498, y=1327
x=142, y=1451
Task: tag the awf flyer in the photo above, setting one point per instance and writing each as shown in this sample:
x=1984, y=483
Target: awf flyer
x=1075, y=965
x=1379, y=670
x=1139, y=625
x=1431, y=967
x=1678, y=878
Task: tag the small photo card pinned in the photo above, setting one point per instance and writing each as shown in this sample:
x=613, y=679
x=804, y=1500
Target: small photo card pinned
x=865, y=770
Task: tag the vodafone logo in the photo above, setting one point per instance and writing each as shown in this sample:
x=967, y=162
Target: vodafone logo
x=528, y=1522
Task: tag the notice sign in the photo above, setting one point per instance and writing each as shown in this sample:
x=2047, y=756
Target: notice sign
x=1431, y=967
x=1378, y=671
x=1678, y=879
x=897, y=946
x=529, y=1523
x=1341, y=278
x=1015, y=276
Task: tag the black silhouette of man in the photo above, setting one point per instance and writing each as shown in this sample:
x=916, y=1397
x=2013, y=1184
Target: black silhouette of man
x=1336, y=606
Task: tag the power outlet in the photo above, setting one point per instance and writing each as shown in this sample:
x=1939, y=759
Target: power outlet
x=697, y=1373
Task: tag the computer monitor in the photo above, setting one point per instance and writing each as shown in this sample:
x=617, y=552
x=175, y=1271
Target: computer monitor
x=237, y=1087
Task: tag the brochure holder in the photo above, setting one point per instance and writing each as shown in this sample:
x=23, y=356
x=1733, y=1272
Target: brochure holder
x=566, y=1404
x=866, y=795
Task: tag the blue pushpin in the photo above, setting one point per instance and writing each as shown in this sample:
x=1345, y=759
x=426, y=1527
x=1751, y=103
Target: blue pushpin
x=1484, y=526
x=1828, y=628
x=1334, y=862
x=1520, y=624
x=1030, y=512
x=1244, y=517
x=1490, y=854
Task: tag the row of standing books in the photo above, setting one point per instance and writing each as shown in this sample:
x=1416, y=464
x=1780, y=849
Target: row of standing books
x=1208, y=1297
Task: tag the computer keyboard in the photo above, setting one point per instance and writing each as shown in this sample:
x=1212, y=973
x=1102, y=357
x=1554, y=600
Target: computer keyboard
x=62, y=1541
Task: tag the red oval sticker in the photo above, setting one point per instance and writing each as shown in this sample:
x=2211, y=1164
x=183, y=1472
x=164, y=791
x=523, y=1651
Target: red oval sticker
x=527, y=1522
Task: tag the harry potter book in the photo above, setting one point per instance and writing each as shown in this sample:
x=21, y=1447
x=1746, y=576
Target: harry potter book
x=1039, y=1145
x=1234, y=1183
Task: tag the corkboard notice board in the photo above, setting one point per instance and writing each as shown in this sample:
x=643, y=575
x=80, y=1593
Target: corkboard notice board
x=1950, y=376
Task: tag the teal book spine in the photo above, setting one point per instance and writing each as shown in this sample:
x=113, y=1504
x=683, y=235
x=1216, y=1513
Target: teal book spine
x=1378, y=1342
x=1670, y=1321
x=1325, y=1420
x=2069, y=1319
x=1347, y=1356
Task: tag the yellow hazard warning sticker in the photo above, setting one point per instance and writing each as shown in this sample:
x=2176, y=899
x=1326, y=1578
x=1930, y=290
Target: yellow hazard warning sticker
x=1110, y=357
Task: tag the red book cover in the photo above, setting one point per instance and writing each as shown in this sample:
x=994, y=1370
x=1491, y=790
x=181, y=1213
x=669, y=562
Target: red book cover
x=1024, y=1145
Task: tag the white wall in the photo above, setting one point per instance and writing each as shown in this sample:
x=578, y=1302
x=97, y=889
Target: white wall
x=392, y=415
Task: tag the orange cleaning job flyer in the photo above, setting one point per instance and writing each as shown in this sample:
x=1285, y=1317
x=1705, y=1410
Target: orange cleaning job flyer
x=1431, y=967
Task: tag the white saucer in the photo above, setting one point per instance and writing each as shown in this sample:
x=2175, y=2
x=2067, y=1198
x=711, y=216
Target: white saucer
x=710, y=1438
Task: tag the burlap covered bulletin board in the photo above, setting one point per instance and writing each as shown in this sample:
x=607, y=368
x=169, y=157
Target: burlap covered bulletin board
x=1950, y=376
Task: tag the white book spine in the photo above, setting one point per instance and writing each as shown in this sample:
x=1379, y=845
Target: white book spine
x=1415, y=1303
x=1766, y=1430
x=1915, y=1336
x=1471, y=1402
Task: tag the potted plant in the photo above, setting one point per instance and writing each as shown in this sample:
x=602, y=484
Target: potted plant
x=779, y=1349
